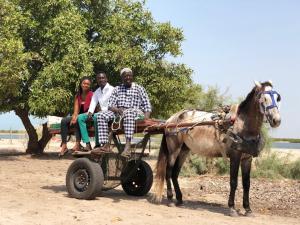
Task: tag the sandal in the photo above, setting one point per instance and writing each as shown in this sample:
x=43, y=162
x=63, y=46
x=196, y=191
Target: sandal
x=100, y=150
x=61, y=154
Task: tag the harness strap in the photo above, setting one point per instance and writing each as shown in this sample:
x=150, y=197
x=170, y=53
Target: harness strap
x=273, y=105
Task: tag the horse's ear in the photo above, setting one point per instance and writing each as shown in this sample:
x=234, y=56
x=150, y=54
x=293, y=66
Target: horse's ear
x=257, y=84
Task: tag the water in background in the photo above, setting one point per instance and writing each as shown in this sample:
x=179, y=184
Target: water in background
x=286, y=145
x=12, y=136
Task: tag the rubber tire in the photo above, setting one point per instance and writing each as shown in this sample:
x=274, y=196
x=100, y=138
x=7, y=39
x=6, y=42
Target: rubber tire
x=140, y=182
x=94, y=172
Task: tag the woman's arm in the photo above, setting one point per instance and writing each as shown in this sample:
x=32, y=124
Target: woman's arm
x=75, y=112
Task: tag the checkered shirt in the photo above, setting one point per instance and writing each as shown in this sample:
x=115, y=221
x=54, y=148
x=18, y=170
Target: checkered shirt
x=134, y=97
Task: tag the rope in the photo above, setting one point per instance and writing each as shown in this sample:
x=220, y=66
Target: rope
x=117, y=122
x=118, y=119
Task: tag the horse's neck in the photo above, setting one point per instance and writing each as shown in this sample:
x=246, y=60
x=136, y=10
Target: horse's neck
x=249, y=121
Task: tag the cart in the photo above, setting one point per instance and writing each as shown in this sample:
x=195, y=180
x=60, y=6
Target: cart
x=90, y=174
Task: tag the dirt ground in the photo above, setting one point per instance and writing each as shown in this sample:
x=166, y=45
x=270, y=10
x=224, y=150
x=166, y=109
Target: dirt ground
x=33, y=192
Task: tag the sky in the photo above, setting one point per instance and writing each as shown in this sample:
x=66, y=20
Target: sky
x=231, y=43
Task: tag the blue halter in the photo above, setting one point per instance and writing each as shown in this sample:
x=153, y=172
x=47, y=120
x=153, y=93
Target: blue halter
x=271, y=93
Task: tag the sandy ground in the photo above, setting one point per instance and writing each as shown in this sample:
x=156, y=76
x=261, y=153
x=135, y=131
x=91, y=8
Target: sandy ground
x=33, y=192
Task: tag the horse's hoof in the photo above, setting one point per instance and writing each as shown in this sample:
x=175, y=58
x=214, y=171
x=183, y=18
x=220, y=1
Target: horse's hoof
x=170, y=204
x=233, y=212
x=249, y=213
x=179, y=204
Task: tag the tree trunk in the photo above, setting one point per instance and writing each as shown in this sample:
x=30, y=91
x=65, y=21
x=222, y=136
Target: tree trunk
x=34, y=145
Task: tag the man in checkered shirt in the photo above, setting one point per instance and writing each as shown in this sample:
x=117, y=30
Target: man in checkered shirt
x=127, y=100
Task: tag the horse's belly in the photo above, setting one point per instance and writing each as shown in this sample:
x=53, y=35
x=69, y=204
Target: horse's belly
x=205, y=149
x=206, y=144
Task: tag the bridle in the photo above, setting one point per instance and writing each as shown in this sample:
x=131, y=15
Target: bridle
x=265, y=109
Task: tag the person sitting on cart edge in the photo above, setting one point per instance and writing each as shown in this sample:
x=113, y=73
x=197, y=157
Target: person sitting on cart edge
x=127, y=101
x=81, y=105
x=101, y=96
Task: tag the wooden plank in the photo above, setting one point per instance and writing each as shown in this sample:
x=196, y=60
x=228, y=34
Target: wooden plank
x=154, y=126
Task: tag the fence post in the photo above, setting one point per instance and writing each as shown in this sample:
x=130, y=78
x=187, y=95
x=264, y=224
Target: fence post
x=10, y=132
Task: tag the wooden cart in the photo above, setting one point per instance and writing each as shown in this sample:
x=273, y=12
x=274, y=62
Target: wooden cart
x=92, y=173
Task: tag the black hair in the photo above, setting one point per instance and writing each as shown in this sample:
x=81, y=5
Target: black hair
x=99, y=72
x=81, y=80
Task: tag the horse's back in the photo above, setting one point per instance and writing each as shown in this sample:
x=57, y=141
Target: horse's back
x=205, y=140
x=192, y=116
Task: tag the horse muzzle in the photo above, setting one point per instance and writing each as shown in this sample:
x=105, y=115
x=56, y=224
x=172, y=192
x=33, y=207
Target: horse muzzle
x=274, y=121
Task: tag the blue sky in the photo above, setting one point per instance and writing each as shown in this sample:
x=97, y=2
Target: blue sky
x=229, y=44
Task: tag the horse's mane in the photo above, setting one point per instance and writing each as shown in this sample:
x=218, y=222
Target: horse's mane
x=243, y=105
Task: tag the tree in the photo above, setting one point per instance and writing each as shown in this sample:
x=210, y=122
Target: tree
x=47, y=46
x=43, y=54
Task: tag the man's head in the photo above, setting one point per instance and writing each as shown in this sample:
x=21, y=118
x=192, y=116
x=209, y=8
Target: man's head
x=101, y=79
x=127, y=76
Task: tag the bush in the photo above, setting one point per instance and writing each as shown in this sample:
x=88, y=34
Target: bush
x=269, y=165
x=223, y=166
x=272, y=166
x=295, y=170
x=194, y=165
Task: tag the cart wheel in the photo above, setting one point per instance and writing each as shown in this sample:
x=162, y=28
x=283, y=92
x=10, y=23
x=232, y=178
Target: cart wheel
x=84, y=179
x=138, y=182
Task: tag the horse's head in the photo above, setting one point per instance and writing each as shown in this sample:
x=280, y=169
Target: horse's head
x=268, y=102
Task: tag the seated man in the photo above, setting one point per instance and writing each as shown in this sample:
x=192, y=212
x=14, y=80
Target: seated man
x=101, y=96
x=126, y=101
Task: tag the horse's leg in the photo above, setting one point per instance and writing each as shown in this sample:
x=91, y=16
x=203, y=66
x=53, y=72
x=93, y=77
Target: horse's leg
x=169, y=186
x=175, y=173
x=235, y=158
x=174, y=147
x=246, y=169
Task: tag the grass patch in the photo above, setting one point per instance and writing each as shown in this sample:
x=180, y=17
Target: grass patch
x=273, y=166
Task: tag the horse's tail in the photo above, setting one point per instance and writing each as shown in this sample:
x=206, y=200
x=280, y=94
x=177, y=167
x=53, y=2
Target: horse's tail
x=161, y=167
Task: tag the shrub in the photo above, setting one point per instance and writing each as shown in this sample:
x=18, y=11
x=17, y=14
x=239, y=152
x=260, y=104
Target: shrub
x=295, y=170
x=223, y=166
x=273, y=166
x=194, y=165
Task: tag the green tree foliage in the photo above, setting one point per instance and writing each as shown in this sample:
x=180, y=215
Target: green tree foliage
x=129, y=36
x=43, y=54
x=13, y=59
x=47, y=46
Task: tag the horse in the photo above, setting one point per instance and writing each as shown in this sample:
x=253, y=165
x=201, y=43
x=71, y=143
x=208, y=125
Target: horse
x=240, y=143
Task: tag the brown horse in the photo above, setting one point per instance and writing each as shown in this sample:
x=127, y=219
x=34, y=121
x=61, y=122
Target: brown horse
x=241, y=142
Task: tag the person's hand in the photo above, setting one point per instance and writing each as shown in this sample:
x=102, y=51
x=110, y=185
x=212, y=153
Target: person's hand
x=90, y=116
x=120, y=111
x=117, y=110
x=73, y=120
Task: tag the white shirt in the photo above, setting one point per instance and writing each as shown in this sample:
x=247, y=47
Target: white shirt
x=102, y=97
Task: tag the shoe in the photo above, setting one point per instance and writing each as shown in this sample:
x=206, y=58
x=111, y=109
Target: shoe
x=75, y=149
x=87, y=148
x=126, y=152
x=100, y=150
x=61, y=154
